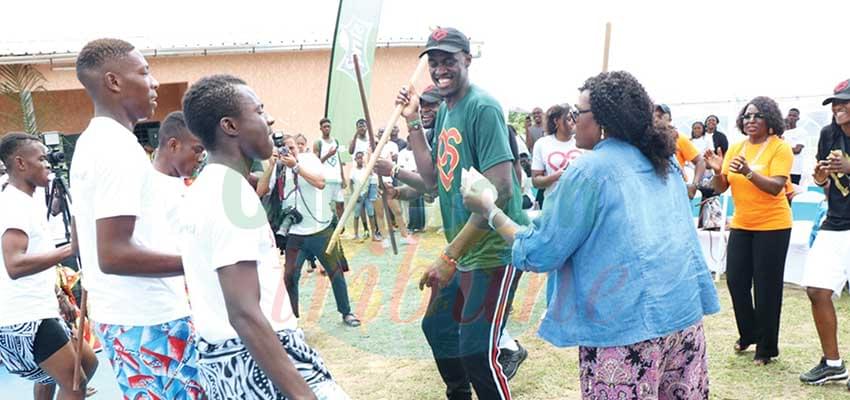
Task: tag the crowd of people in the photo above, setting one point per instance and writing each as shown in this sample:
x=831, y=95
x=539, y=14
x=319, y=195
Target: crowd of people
x=183, y=286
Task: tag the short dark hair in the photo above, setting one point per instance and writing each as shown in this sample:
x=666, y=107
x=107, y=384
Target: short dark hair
x=794, y=109
x=359, y=153
x=173, y=126
x=11, y=143
x=621, y=106
x=712, y=116
x=98, y=52
x=770, y=110
x=323, y=120
x=208, y=101
x=356, y=123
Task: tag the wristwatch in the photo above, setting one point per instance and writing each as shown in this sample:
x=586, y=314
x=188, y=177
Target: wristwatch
x=749, y=175
x=414, y=125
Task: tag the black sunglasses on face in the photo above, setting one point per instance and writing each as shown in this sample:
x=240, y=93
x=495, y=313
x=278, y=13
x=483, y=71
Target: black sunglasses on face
x=751, y=116
x=576, y=111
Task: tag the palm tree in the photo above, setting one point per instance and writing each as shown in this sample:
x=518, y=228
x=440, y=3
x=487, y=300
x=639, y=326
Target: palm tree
x=18, y=82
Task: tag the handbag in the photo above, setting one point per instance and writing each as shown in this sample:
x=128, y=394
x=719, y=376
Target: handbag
x=710, y=214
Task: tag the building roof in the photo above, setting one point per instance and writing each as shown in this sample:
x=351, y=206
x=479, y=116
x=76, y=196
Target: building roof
x=65, y=50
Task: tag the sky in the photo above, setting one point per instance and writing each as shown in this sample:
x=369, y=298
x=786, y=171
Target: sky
x=535, y=52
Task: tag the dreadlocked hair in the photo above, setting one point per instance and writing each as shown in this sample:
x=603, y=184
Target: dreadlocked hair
x=623, y=109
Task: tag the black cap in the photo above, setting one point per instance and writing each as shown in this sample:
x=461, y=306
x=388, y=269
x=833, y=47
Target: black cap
x=841, y=92
x=431, y=95
x=663, y=108
x=449, y=40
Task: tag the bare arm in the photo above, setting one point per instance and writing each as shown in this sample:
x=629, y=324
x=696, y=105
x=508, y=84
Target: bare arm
x=240, y=286
x=314, y=178
x=422, y=155
x=699, y=168
x=797, y=149
x=19, y=264
x=119, y=255
x=476, y=227
x=263, y=185
x=541, y=181
x=772, y=185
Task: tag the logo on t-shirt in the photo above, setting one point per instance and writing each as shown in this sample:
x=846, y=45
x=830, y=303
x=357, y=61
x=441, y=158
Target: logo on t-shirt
x=560, y=160
x=448, y=156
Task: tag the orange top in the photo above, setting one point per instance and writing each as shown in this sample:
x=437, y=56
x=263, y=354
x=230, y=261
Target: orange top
x=756, y=210
x=685, y=150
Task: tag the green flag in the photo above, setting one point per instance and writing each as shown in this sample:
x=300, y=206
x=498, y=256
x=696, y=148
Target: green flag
x=356, y=33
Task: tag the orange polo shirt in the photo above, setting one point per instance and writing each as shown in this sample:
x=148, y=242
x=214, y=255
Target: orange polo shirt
x=756, y=210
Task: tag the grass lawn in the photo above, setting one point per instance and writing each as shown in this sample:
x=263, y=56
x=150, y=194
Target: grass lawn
x=388, y=358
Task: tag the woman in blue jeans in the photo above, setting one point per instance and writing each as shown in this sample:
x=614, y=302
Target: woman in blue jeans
x=632, y=285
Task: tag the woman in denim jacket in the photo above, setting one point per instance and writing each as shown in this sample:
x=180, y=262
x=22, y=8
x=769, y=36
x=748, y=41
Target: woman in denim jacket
x=632, y=285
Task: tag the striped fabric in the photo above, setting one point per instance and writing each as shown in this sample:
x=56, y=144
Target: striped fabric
x=16, y=351
x=229, y=372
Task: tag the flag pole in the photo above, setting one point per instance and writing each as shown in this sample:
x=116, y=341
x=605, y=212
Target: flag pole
x=333, y=50
x=607, y=47
x=349, y=207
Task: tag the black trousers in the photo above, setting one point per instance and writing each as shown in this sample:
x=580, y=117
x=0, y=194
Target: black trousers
x=795, y=179
x=756, y=261
x=463, y=325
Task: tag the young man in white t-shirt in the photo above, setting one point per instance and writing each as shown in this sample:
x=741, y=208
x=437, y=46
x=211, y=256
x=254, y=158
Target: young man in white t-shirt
x=250, y=346
x=135, y=302
x=34, y=343
x=328, y=150
x=364, y=207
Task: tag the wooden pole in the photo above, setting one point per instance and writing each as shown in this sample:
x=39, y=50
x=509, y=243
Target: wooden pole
x=81, y=327
x=368, y=117
x=607, y=47
x=423, y=62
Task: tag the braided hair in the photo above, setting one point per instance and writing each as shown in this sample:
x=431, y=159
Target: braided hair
x=623, y=109
x=554, y=113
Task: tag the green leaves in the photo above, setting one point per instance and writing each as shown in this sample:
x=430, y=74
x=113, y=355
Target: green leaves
x=17, y=82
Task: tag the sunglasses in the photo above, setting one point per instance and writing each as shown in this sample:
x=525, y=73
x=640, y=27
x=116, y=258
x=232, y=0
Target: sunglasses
x=576, y=111
x=752, y=116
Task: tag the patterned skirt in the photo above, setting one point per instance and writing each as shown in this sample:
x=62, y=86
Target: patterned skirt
x=669, y=367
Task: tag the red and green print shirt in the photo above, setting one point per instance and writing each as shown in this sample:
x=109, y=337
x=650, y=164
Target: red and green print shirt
x=473, y=134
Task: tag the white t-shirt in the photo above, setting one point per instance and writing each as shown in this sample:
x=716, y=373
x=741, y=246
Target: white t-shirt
x=361, y=146
x=110, y=177
x=359, y=175
x=31, y=297
x=222, y=223
x=551, y=155
x=387, y=152
x=307, y=197
x=331, y=165
x=703, y=143
x=406, y=160
x=794, y=137
x=521, y=147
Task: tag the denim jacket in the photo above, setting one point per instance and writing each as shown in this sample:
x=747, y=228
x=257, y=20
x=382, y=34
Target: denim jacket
x=623, y=250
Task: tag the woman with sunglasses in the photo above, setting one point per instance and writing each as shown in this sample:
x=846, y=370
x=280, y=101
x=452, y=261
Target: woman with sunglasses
x=756, y=169
x=628, y=295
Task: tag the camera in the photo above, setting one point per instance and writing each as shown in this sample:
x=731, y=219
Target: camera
x=56, y=158
x=277, y=138
x=289, y=216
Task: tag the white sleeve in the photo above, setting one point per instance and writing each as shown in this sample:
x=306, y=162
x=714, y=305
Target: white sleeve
x=18, y=219
x=120, y=186
x=231, y=242
x=537, y=157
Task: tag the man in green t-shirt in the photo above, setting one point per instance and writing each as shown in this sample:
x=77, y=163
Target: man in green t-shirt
x=472, y=275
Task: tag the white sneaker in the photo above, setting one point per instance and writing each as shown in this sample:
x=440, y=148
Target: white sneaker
x=386, y=244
